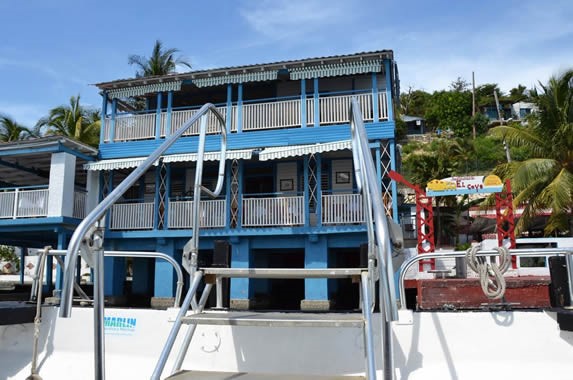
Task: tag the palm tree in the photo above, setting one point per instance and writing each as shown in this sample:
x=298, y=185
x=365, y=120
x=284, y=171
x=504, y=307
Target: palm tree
x=10, y=130
x=161, y=62
x=73, y=121
x=545, y=180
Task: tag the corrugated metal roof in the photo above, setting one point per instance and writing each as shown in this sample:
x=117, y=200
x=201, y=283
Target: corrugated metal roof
x=233, y=70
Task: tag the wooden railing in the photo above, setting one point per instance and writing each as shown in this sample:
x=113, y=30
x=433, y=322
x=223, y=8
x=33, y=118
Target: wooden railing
x=23, y=203
x=255, y=116
x=342, y=209
x=211, y=214
x=273, y=212
x=132, y=216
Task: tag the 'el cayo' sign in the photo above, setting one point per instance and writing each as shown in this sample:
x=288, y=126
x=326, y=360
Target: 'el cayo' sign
x=464, y=185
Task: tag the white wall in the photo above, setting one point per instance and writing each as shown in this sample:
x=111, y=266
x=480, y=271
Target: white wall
x=61, y=188
x=287, y=172
x=345, y=172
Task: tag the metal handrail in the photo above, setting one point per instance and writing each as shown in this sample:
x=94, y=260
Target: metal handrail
x=522, y=252
x=136, y=254
x=80, y=238
x=378, y=233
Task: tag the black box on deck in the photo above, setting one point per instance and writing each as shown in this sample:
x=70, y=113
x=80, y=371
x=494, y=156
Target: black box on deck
x=559, y=288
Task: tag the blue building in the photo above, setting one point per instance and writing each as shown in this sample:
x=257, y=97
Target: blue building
x=289, y=198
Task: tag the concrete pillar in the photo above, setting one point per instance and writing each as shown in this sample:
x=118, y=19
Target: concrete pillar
x=92, y=188
x=61, y=188
x=315, y=290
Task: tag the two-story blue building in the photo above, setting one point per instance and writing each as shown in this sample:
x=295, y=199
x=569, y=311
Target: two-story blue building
x=289, y=200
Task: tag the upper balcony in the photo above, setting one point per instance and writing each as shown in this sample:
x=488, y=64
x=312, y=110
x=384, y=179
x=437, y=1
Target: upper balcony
x=289, y=112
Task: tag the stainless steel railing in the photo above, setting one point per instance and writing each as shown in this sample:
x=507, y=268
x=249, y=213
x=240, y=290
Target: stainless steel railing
x=379, y=245
x=80, y=238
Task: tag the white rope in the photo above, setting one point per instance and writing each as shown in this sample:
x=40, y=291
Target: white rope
x=490, y=274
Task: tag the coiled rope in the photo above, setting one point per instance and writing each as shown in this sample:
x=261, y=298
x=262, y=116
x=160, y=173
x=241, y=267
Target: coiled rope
x=490, y=274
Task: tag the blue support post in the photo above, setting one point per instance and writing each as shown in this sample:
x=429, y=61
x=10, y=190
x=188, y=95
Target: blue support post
x=167, y=196
x=60, y=270
x=158, y=116
x=241, y=258
x=240, y=108
x=156, y=198
x=103, y=116
x=389, y=89
x=375, y=110
x=303, y=103
x=229, y=117
x=316, y=104
x=165, y=277
x=378, y=163
x=23, y=254
x=228, y=196
x=306, y=193
x=240, y=195
x=394, y=185
x=169, y=111
x=114, y=275
x=316, y=256
x=112, y=123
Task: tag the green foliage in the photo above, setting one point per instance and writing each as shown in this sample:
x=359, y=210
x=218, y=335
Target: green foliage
x=161, y=62
x=401, y=129
x=518, y=94
x=450, y=110
x=459, y=85
x=73, y=121
x=10, y=130
x=414, y=102
x=544, y=180
x=484, y=94
x=8, y=253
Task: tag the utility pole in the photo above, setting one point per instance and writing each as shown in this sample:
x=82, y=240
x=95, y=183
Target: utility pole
x=473, y=104
x=499, y=116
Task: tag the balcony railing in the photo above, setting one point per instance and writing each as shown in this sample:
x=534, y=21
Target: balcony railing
x=211, y=214
x=132, y=216
x=342, y=209
x=23, y=203
x=255, y=116
x=80, y=198
x=273, y=212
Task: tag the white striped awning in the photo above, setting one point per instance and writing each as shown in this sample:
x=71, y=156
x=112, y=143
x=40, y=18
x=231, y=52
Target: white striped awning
x=275, y=153
x=218, y=80
x=126, y=163
x=239, y=154
x=333, y=70
x=145, y=89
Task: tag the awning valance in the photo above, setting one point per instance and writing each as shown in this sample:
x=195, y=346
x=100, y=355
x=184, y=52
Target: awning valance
x=333, y=70
x=275, y=153
x=218, y=80
x=126, y=163
x=145, y=89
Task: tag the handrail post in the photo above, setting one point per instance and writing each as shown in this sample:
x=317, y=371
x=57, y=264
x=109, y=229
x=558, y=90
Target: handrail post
x=99, y=300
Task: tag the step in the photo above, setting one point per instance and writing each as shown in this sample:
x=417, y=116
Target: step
x=276, y=319
x=284, y=273
x=192, y=375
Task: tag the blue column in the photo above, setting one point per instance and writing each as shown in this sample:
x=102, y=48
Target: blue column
x=316, y=256
x=165, y=277
x=114, y=274
x=169, y=111
x=240, y=194
x=306, y=192
x=394, y=185
x=59, y=270
x=240, y=258
x=229, y=117
x=375, y=109
x=103, y=115
x=389, y=89
x=167, y=196
x=378, y=162
x=112, y=123
x=303, y=103
x=23, y=254
x=228, y=179
x=157, y=197
x=240, y=108
x=158, y=116
x=316, y=104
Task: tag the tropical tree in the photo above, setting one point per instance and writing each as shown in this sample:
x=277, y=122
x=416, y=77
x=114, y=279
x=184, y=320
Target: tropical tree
x=161, y=62
x=545, y=180
x=10, y=130
x=450, y=110
x=73, y=121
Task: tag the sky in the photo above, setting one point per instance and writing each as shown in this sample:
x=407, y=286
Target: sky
x=52, y=50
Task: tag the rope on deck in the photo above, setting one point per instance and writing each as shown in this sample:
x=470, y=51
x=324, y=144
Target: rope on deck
x=490, y=274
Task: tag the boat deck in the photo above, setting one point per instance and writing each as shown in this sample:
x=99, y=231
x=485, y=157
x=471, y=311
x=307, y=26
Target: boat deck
x=190, y=375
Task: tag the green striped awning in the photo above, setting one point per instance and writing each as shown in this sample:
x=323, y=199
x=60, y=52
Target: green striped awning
x=218, y=80
x=338, y=69
x=127, y=92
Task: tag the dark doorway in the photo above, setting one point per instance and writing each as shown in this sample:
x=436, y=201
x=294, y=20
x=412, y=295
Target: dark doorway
x=343, y=293
x=278, y=294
